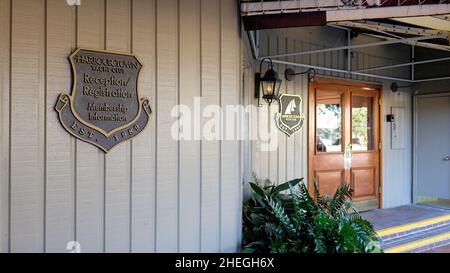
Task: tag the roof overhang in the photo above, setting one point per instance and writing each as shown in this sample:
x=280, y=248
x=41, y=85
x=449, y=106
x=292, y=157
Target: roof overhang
x=421, y=23
x=293, y=13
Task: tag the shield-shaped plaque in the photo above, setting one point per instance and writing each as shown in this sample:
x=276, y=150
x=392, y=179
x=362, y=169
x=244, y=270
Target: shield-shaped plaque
x=289, y=119
x=104, y=107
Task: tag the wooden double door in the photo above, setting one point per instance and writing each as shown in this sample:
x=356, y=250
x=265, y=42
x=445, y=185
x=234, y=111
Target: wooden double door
x=344, y=139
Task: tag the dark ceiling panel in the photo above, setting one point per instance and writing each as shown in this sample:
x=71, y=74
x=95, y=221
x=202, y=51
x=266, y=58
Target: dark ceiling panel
x=268, y=21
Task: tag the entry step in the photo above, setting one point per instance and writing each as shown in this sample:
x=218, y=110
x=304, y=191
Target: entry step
x=420, y=241
x=417, y=237
x=411, y=228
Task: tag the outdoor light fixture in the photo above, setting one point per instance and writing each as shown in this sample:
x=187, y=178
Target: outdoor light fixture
x=269, y=84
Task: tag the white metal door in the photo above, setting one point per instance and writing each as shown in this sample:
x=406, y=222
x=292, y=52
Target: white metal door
x=433, y=147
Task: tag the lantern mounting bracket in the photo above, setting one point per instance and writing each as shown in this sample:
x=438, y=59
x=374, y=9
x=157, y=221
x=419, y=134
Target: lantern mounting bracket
x=289, y=73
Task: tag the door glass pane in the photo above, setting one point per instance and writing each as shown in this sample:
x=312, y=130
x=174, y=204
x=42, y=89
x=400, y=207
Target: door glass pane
x=362, y=123
x=328, y=121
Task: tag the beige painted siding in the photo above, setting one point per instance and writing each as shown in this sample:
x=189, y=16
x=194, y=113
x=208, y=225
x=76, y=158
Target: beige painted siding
x=149, y=194
x=5, y=19
x=190, y=170
x=154, y=194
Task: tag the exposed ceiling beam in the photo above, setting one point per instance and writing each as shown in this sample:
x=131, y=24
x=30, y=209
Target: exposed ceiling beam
x=387, y=12
x=389, y=29
x=443, y=17
x=430, y=22
x=419, y=44
x=389, y=36
x=376, y=26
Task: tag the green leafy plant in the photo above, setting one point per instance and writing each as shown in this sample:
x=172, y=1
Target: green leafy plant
x=286, y=218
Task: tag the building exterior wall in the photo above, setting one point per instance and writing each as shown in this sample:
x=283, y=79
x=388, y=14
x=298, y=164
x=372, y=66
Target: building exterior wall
x=149, y=194
x=289, y=160
x=153, y=193
x=431, y=70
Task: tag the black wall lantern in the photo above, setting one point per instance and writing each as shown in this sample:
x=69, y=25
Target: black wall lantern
x=269, y=84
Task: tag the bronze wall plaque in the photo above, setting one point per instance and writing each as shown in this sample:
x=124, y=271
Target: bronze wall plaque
x=289, y=119
x=104, y=108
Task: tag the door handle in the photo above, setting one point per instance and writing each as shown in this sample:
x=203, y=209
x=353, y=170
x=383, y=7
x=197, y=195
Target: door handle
x=348, y=151
x=447, y=158
x=348, y=157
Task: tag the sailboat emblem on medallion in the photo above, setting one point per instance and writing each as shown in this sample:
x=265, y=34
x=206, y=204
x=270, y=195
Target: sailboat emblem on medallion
x=289, y=119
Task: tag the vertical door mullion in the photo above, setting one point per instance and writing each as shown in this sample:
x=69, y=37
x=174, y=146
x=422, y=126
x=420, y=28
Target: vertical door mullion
x=347, y=134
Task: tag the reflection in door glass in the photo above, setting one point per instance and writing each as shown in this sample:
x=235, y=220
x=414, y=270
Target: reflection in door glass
x=362, y=112
x=329, y=122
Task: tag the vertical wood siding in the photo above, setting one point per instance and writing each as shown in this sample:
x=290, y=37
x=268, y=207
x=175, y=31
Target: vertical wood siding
x=230, y=155
x=190, y=170
x=166, y=148
x=60, y=168
x=5, y=60
x=143, y=179
x=28, y=133
x=152, y=193
x=210, y=88
x=118, y=162
x=89, y=161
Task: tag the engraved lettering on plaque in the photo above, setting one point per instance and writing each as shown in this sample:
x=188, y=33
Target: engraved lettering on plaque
x=104, y=108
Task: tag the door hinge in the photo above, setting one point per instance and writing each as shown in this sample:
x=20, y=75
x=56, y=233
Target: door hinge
x=379, y=102
x=379, y=146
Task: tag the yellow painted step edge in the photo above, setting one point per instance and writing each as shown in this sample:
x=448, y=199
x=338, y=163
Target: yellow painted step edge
x=418, y=243
x=405, y=227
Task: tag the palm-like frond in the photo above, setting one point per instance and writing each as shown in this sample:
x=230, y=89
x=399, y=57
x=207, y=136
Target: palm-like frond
x=281, y=215
x=294, y=221
x=317, y=197
x=337, y=204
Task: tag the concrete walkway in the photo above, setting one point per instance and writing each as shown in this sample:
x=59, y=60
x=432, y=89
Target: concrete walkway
x=386, y=218
x=444, y=249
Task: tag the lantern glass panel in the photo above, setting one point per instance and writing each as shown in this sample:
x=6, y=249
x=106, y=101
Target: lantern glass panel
x=268, y=87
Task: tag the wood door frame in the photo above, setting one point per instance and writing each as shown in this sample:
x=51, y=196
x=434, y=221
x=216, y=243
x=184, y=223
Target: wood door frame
x=311, y=119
